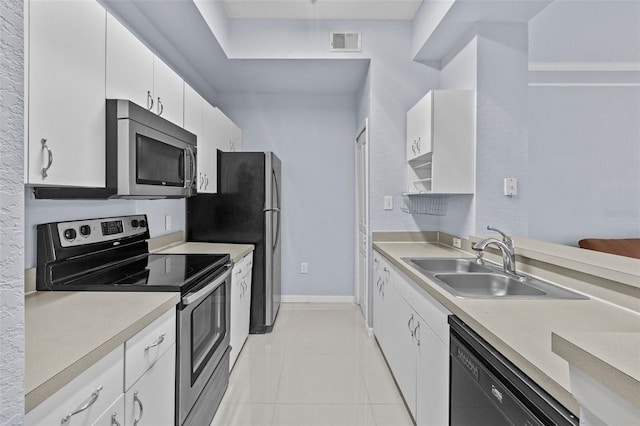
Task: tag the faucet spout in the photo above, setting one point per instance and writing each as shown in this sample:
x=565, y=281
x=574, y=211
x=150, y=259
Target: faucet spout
x=506, y=248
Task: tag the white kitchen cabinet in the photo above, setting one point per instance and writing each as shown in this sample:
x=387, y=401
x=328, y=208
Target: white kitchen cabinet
x=151, y=400
x=168, y=94
x=97, y=389
x=441, y=143
x=133, y=72
x=104, y=392
x=416, y=344
x=129, y=66
x=65, y=93
x=381, y=280
x=193, y=104
x=208, y=146
x=240, y=305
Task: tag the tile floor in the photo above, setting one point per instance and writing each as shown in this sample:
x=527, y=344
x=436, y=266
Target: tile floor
x=317, y=367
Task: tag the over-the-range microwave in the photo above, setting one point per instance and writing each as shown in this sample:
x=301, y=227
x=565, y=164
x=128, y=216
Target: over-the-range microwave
x=147, y=157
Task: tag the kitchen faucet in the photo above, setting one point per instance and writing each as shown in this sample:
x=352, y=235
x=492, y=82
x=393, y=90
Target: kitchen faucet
x=505, y=246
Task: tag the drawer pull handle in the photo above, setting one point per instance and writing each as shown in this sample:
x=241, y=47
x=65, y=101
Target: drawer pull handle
x=114, y=422
x=93, y=398
x=158, y=342
x=137, y=400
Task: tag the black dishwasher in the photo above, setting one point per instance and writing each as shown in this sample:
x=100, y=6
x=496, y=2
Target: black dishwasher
x=487, y=389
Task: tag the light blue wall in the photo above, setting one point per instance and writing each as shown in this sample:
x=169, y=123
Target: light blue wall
x=313, y=135
x=44, y=211
x=584, y=148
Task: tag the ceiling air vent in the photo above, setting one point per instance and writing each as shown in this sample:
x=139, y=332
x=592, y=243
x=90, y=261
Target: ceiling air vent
x=345, y=42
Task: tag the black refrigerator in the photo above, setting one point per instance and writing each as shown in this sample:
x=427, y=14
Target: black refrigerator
x=246, y=210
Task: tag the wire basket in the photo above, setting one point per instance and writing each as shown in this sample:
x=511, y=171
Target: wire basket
x=435, y=205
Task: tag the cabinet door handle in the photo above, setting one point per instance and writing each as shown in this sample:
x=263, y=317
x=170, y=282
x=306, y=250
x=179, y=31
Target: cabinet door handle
x=201, y=186
x=160, y=106
x=416, y=334
x=149, y=100
x=92, y=399
x=206, y=181
x=45, y=169
x=409, y=325
x=114, y=422
x=157, y=342
x=137, y=400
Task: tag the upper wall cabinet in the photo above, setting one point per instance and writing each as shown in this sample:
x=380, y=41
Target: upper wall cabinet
x=441, y=143
x=135, y=73
x=65, y=93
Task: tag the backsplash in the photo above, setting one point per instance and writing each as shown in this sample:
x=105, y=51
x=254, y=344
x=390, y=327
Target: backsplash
x=44, y=211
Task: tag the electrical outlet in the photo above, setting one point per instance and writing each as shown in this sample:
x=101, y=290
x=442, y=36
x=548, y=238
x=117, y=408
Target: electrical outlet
x=457, y=243
x=388, y=202
x=304, y=268
x=167, y=222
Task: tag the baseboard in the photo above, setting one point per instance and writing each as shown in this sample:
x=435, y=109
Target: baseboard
x=316, y=299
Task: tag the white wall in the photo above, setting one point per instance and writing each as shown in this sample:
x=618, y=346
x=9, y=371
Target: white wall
x=11, y=212
x=313, y=135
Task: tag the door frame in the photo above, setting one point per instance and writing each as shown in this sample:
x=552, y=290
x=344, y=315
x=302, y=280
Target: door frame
x=362, y=299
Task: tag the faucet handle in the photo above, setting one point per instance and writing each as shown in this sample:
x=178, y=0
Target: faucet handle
x=505, y=238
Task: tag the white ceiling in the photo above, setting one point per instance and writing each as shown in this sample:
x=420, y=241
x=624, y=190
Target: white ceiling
x=321, y=9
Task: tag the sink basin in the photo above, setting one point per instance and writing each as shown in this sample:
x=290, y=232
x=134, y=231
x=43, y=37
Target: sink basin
x=488, y=285
x=435, y=265
x=500, y=286
x=464, y=278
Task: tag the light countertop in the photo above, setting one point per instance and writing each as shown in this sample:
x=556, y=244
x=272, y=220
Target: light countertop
x=67, y=332
x=236, y=251
x=522, y=329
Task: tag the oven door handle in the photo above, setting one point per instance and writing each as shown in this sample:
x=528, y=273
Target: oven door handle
x=204, y=292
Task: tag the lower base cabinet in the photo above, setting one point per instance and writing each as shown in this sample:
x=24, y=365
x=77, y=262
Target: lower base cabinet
x=240, y=305
x=151, y=400
x=417, y=348
x=100, y=396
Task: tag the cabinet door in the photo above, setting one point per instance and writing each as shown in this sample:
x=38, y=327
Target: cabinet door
x=378, y=311
x=432, y=379
x=246, y=295
x=236, y=311
x=66, y=93
x=129, y=66
x=151, y=400
x=235, y=137
x=208, y=149
x=193, y=111
x=425, y=125
x=167, y=92
x=401, y=353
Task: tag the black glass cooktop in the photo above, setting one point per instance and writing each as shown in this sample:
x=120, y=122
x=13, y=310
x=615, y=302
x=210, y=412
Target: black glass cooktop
x=148, y=272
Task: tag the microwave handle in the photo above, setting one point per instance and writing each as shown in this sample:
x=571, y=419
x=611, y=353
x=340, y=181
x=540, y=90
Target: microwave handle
x=192, y=182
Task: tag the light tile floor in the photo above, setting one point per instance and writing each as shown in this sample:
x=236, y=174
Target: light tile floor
x=317, y=367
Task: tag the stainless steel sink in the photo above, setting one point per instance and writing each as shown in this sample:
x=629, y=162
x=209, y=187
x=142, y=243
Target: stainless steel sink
x=435, y=265
x=487, y=285
x=464, y=278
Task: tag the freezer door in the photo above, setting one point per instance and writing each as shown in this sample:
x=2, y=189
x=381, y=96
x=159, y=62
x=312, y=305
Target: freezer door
x=273, y=229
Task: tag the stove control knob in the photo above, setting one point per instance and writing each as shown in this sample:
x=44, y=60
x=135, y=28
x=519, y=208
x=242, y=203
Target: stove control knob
x=85, y=230
x=70, y=234
x=143, y=223
x=135, y=223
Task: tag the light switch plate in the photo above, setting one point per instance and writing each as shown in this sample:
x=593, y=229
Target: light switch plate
x=167, y=222
x=304, y=268
x=457, y=243
x=388, y=202
x=510, y=187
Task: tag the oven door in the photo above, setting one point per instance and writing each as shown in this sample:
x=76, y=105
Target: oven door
x=203, y=335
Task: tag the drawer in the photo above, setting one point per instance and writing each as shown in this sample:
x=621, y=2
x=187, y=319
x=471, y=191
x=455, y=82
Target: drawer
x=107, y=373
x=114, y=415
x=248, y=263
x=146, y=347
